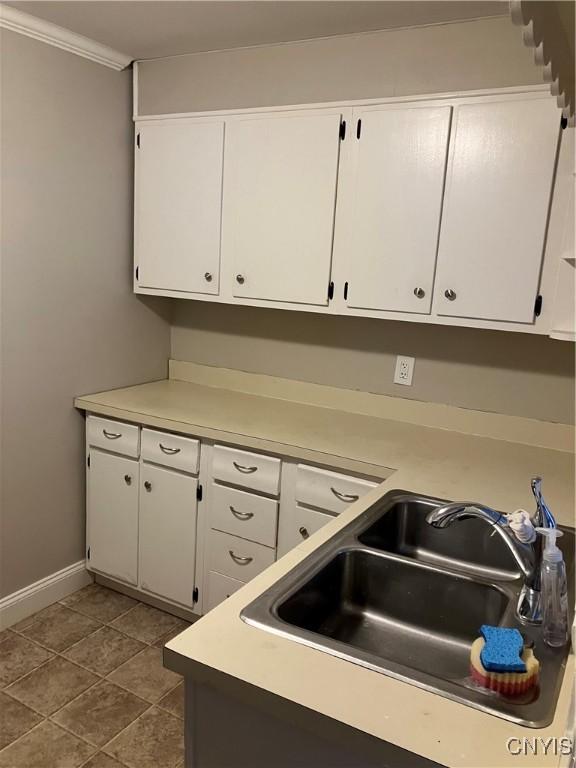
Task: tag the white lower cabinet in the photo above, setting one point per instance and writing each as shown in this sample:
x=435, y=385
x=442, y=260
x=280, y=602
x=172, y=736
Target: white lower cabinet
x=332, y=491
x=146, y=528
x=219, y=588
x=142, y=517
x=300, y=523
x=238, y=558
x=244, y=514
x=112, y=507
x=167, y=540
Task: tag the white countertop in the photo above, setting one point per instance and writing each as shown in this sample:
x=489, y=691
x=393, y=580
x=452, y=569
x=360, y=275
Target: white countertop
x=428, y=461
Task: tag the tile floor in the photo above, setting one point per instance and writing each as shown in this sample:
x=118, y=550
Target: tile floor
x=82, y=685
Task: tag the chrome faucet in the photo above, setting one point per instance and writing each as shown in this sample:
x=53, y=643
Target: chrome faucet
x=527, y=556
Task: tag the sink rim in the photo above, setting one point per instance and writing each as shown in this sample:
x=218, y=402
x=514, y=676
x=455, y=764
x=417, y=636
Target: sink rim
x=262, y=614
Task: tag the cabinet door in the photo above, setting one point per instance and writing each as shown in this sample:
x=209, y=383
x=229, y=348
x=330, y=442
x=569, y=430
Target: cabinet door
x=168, y=507
x=279, y=200
x=392, y=233
x=112, y=486
x=496, y=209
x=299, y=524
x=178, y=206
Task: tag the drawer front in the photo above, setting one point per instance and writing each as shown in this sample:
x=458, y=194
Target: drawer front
x=236, y=557
x=174, y=451
x=302, y=523
x=116, y=436
x=251, y=470
x=219, y=588
x=243, y=514
x=328, y=490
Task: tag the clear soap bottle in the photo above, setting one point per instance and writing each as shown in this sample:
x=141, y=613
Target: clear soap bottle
x=554, y=591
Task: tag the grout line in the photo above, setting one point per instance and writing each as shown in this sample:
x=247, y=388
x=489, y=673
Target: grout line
x=18, y=679
x=44, y=719
x=76, y=736
x=107, y=744
x=124, y=765
x=99, y=677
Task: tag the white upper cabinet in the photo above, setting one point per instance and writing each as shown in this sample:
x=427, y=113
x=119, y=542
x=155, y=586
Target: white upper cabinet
x=280, y=175
x=391, y=230
x=431, y=209
x=496, y=209
x=178, y=202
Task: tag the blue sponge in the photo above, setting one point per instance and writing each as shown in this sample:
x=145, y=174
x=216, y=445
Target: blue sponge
x=502, y=649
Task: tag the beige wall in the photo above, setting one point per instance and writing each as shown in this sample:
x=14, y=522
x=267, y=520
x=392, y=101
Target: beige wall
x=485, y=53
x=512, y=373
x=70, y=323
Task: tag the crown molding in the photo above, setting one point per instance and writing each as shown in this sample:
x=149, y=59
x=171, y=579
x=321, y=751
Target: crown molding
x=65, y=39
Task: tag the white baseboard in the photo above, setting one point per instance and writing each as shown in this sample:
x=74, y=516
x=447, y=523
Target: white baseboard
x=19, y=605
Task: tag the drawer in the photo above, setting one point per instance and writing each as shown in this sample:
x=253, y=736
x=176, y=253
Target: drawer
x=174, y=451
x=252, y=470
x=244, y=514
x=236, y=557
x=300, y=524
x=219, y=588
x=114, y=436
x=328, y=490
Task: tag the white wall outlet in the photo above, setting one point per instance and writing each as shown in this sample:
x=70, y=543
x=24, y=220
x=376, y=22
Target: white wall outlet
x=404, y=370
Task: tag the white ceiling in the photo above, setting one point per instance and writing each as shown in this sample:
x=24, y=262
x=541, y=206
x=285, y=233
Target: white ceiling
x=164, y=28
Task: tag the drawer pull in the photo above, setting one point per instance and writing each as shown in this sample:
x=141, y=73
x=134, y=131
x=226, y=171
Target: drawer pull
x=241, y=515
x=111, y=435
x=148, y=486
x=169, y=451
x=240, y=560
x=303, y=532
x=348, y=497
x=128, y=479
x=243, y=469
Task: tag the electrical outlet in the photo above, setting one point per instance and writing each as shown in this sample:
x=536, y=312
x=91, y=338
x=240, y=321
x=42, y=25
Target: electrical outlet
x=404, y=370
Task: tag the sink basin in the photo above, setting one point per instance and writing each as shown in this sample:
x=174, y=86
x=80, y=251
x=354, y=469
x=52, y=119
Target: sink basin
x=416, y=616
x=470, y=546
x=391, y=593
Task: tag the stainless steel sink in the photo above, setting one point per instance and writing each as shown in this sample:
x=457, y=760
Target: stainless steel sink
x=470, y=547
x=393, y=594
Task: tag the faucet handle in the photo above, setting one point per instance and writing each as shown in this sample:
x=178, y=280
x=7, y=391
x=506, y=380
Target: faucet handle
x=544, y=517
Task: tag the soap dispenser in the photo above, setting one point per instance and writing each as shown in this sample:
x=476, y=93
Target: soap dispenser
x=554, y=591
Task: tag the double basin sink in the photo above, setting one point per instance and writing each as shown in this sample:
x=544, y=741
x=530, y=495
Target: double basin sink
x=392, y=593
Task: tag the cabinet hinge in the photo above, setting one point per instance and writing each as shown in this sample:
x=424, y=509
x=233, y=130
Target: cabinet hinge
x=199, y=493
x=538, y=306
x=345, y=290
x=358, y=128
x=88, y=554
x=137, y=272
x=138, y=140
x=88, y=461
x=195, y=595
x=342, y=130
x=330, y=290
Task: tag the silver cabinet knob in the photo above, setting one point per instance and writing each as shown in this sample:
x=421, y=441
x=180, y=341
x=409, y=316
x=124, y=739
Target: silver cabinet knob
x=450, y=294
x=240, y=279
x=303, y=532
x=148, y=486
x=128, y=479
x=208, y=277
x=419, y=293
